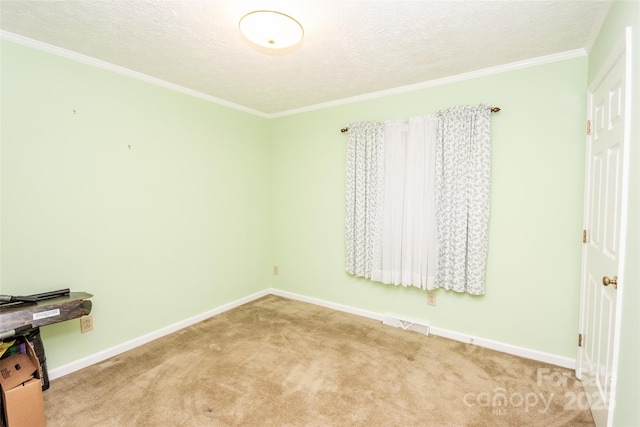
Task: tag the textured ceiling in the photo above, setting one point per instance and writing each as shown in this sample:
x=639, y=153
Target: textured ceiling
x=350, y=48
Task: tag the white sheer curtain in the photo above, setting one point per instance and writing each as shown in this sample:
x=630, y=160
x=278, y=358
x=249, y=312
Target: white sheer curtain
x=406, y=253
x=463, y=184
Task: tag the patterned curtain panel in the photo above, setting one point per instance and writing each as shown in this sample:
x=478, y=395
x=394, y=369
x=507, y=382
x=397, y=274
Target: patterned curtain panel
x=463, y=178
x=364, y=195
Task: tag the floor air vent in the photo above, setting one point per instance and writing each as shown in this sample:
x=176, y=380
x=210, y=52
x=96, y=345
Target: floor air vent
x=407, y=325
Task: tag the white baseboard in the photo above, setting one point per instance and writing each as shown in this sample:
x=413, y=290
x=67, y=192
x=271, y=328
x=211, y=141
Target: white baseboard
x=328, y=304
x=136, y=342
x=76, y=365
x=527, y=353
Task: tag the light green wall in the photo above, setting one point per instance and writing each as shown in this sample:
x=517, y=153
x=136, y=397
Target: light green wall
x=533, y=271
x=160, y=232
x=627, y=411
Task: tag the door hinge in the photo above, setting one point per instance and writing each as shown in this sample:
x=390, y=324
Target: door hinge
x=588, y=127
x=584, y=236
x=579, y=340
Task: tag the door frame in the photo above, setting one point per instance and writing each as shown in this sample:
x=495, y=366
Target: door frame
x=622, y=48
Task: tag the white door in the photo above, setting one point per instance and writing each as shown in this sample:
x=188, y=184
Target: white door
x=605, y=231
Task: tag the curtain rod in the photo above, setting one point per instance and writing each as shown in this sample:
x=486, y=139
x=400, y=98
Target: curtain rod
x=493, y=110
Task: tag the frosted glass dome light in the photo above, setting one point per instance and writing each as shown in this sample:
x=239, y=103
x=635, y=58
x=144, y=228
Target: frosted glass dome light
x=271, y=29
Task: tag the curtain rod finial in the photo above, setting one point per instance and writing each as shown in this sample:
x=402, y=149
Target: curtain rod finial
x=343, y=130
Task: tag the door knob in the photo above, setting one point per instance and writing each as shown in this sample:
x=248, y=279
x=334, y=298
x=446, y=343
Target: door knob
x=606, y=281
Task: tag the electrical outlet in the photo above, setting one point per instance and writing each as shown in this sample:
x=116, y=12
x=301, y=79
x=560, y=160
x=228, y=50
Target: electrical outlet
x=431, y=298
x=86, y=323
x=275, y=270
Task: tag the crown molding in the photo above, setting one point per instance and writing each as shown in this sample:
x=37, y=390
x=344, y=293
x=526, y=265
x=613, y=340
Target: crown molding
x=439, y=82
x=35, y=44
x=5, y=35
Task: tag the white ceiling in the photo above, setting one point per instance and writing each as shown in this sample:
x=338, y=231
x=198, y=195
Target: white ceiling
x=351, y=48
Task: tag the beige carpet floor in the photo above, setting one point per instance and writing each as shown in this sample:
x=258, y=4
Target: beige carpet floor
x=278, y=362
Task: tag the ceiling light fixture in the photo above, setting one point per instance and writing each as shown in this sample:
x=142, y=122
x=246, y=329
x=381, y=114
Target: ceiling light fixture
x=271, y=29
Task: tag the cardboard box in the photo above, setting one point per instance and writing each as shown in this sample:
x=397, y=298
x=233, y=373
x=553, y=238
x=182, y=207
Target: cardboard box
x=22, y=390
x=18, y=346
